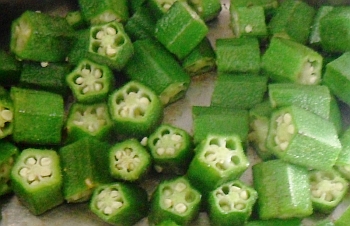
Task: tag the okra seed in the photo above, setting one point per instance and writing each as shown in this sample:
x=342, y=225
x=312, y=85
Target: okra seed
x=98, y=86
x=45, y=172
x=176, y=137
x=316, y=193
x=117, y=205
x=239, y=206
x=338, y=186
x=284, y=145
x=158, y=168
x=170, y=151
x=287, y=118
x=100, y=34
x=181, y=208
x=328, y=197
x=108, y=210
x=101, y=205
x=24, y=172
x=225, y=204
x=168, y=203
x=115, y=194
x=248, y=28
x=166, y=6
x=180, y=187
x=160, y=151
x=144, y=141
x=111, y=31
x=244, y=195
x=86, y=89
x=167, y=191
x=144, y=100
x=110, y=51
x=313, y=79
x=291, y=129
x=31, y=161
x=79, y=81
x=44, y=64
x=210, y=156
x=235, y=189
x=98, y=73
x=7, y=115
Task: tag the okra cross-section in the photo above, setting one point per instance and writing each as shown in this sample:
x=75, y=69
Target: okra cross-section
x=119, y=203
x=220, y=158
x=176, y=200
x=231, y=203
x=135, y=110
x=90, y=82
x=6, y=113
x=129, y=160
x=37, y=180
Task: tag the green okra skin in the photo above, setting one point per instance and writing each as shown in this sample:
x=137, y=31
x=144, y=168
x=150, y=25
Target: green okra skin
x=298, y=13
x=180, y=29
x=88, y=120
x=99, y=12
x=174, y=199
x=231, y=203
x=219, y=120
x=167, y=223
x=80, y=48
x=8, y=156
x=301, y=137
x=45, y=76
x=153, y=66
x=171, y=149
x=238, y=91
x=297, y=63
x=202, y=59
x=275, y=222
x=10, y=69
x=129, y=161
x=141, y=24
x=39, y=116
x=90, y=82
x=84, y=166
x=269, y=6
x=283, y=190
x=75, y=20
x=159, y=7
x=37, y=180
x=109, y=44
x=220, y=158
x=336, y=115
x=248, y=21
x=238, y=55
x=120, y=203
x=314, y=38
x=206, y=9
x=135, y=5
x=344, y=218
x=342, y=164
x=328, y=189
x=135, y=110
x=41, y=37
x=6, y=113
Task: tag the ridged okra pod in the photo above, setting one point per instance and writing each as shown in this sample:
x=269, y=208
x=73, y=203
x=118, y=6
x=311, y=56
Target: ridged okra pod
x=206, y=9
x=343, y=161
x=315, y=37
x=269, y=6
x=141, y=24
x=8, y=155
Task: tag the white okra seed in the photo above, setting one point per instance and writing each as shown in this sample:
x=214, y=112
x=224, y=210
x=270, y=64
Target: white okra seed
x=45, y=161
x=98, y=86
x=31, y=161
x=100, y=34
x=291, y=129
x=111, y=31
x=287, y=118
x=79, y=81
x=180, y=208
x=117, y=205
x=108, y=210
x=180, y=187
x=24, y=172
x=168, y=203
x=160, y=151
x=7, y=115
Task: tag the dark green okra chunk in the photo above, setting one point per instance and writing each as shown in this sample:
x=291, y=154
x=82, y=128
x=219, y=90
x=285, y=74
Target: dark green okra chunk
x=283, y=190
x=175, y=200
x=41, y=37
x=206, y=9
x=39, y=116
x=288, y=61
x=90, y=82
x=159, y=7
x=156, y=68
x=10, y=69
x=180, y=29
x=302, y=137
x=220, y=158
x=141, y=24
x=171, y=149
x=120, y=203
x=37, y=180
x=8, y=156
x=84, y=166
x=103, y=11
x=80, y=48
x=135, y=110
x=88, y=120
x=6, y=113
x=231, y=204
x=315, y=38
x=129, y=160
x=328, y=189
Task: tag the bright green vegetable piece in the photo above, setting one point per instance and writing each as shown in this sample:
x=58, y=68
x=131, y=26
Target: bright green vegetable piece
x=6, y=113
x=141, y=24
x=37, y=180
x=269, y=6
x=120, y=203
x=8, y=155
x=206, y=9
x=231, y=204
x=343, y=161
x=283, y=190
x=315, y=38
x=10, y=69
x=175, y=200
x=159, y=7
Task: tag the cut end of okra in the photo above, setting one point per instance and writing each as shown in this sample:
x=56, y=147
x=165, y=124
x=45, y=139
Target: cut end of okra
x=285, y=130
x=36, y=170
x=173, y=92
x=232, y=198
x=310, y=74
x=91, y=119
x=105, y=17
x=109, y=200
x=177, y=198
x=6, y=118
x=106, y=40
x=167, y=143
x=22, y=32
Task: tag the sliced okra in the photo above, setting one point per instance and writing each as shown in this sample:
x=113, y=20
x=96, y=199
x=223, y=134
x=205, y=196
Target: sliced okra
x=10, y=69
x=315, y=38
x=129, y=160
x=303, y=138
x=269, y=6
x=90, y=82
x=342, y=164
x=119, y=203
x=159, y=7
x=231, y=204
x=206, y=9
x=141, y=24
x=37, y=180
x=174, y=200
x=8, y=155
x=220, y=158
x=171, y=149
x=328, y=189
x=6, y=113
x=344, y=218
x=135, y=110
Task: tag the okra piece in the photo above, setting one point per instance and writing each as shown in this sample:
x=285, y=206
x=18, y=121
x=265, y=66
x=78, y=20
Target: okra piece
x=159, y=7
x=296, y=63
x=342, y=164
x=283, y=190
x=174, y=199
x=220, y=158
x=315, y=38
x=120, y=203
x=231, y=204
x=328, y=189
x=275, y=222
x=75, y=20
x=238, y=55
x=41, y=37
x=336, y=115
x=39, y=116
x=153, y=66
x=206, y=9
x=202, y=59
x=90, y=82
x=8, y=155
x=80, y=48
x=129, y=160
x=269, y=6
x=37, y=180
x=6, y=113
x=88, y=120
x=171, y=149
x=296, y=13
x=10, y=69
x=301, y=137
x=99, y=12
x=135, y=5
x=84, y=166
x=135, y=110
x=180, y=29
x=238, y=91
x=141, y=24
